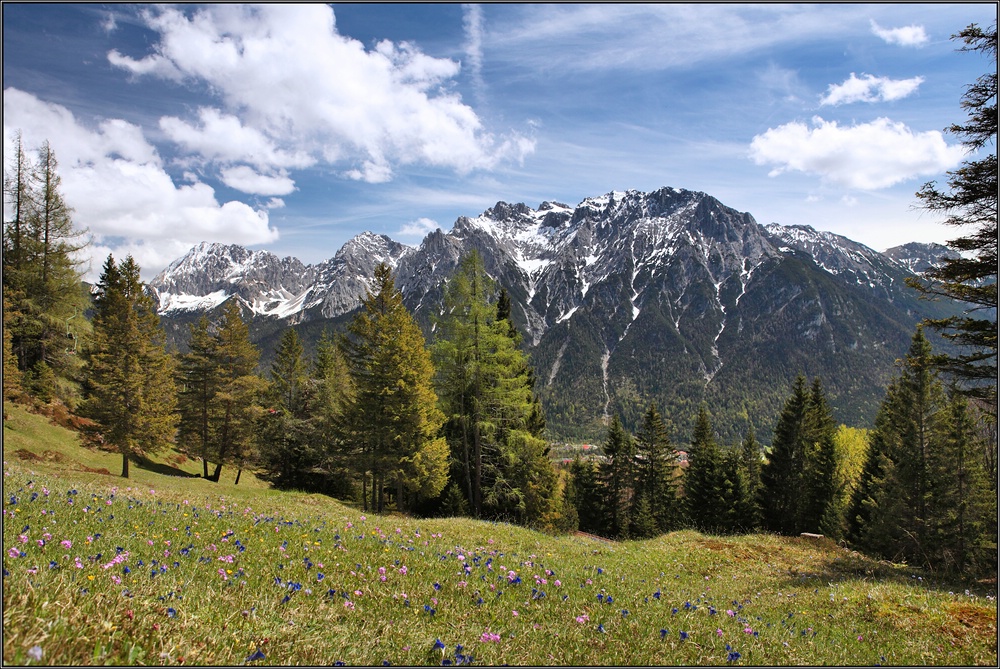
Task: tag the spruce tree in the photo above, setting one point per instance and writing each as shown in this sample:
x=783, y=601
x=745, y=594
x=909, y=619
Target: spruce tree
x=817, y=505
x=393, y=414
x=920, y=498
x=587, y=496
x=750, y=512
x=970, y=202
x=704, y=479
x=656, y=468
x=131, y=394
x=618, y=477
x=781, y=475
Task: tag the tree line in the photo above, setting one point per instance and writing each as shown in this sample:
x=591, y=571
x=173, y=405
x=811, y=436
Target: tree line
x=383, y=417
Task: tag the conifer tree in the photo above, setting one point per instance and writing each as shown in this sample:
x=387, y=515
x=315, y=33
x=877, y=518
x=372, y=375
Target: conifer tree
x=781, y=475
x=198, y=383
x=970, y=202
x=921, y=498
x=493, y=421
x=704, y=479
x=393, y=415
x=750, y=513
x=656, y=468
x=130, y=391
x=41, y=274
x=618, y=477
x=240, y=391
x=587, y=496
x=817, y=505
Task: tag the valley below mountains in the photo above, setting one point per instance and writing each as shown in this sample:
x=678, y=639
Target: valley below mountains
x=624, y=299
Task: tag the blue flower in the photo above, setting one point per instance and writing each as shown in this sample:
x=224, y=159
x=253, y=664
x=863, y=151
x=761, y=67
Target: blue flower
x=257, y=655
x=664, y=633
x=684, y=635
x=733, y=656
x=608, y=600
x=656, y=595
x=437, y=586
x=171, y=612
x=437, y=642
x=600, y=628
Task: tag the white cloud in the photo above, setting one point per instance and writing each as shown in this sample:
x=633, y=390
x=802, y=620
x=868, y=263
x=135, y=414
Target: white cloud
x=472, y=23
x=866, y=156
x=905, y=36
x=419, y=228
x=247, y=180
x=116, y=183
x=869, y=88
x=295, y=82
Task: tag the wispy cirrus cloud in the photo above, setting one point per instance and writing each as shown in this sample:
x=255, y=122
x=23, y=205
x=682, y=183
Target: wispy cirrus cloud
x=869, y=88
x=865, y=156
x=904, y=36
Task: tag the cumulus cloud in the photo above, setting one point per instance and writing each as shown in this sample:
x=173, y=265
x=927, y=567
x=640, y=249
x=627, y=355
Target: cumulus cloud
x=116, y=183
x=905, y=36
x=419, y=228
x=247, y=180
x=866, y=156
x=870, y=88
x=283, y=76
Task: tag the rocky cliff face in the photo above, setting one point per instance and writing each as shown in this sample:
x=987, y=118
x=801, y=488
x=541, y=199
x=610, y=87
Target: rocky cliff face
x=625, y=299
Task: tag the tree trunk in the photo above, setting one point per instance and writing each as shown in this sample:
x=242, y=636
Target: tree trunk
x=239, y=472
x=204, y=466
x=124, y=465
x=217, y=473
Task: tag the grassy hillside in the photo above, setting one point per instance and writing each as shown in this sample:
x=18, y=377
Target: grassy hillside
x=171, y=569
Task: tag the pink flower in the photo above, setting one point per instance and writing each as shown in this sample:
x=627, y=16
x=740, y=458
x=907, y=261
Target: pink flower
x=748, y=629
x=718, y=632
x=729, y=612
x=222, y=573
x=402, y=570
x=515, y=614
x=349, y=605
x=489, y=637
x=116, y=579
x=582, y=619
x=558, y=582
x=23, y=538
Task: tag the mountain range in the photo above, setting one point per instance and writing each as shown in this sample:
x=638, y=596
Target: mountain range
x=624, y=299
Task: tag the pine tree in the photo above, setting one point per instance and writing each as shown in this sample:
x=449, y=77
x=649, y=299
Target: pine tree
x=704, y=479
x=393, y=414
x=130, y=392
x=618, y=477
x=289, y=377
x=971, y=203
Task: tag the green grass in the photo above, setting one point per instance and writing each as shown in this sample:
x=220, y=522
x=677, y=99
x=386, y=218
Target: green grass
x=792, y=601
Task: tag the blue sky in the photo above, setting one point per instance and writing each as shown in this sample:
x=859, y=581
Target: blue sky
x=293, y=128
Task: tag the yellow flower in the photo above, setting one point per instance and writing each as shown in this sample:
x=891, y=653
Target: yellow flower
x=90, y=577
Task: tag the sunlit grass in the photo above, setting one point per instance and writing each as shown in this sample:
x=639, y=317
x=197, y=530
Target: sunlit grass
x=170, y=570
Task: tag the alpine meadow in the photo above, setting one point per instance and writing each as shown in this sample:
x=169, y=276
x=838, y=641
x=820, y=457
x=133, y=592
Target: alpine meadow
x=642, y=430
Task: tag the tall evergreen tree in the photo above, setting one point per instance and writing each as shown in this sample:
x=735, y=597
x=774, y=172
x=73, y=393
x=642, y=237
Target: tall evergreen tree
x=618, y=477
x=704, y=479
x=781, y=475
x=198, y=381
x=970, y=203
x=393, y=415
x=918, y=486
x=656, y=466
x=130, y=392
x=587, y=496
x=750, y=512
x=817, y=506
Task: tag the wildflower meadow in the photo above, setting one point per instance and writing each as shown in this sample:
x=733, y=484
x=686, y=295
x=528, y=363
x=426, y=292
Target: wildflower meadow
x=170, y=570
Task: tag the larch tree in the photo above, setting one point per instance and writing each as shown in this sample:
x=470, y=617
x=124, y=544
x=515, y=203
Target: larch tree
x=130, y=389
x=393, y=415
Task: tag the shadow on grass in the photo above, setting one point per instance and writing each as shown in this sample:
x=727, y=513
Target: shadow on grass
x=163, y=468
